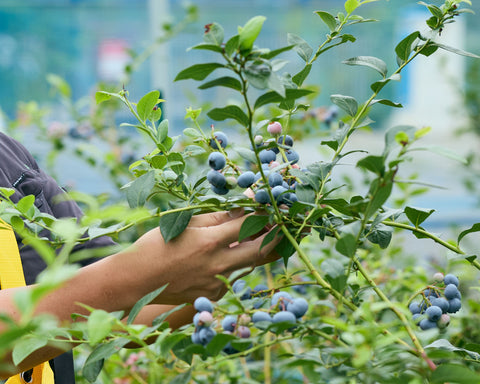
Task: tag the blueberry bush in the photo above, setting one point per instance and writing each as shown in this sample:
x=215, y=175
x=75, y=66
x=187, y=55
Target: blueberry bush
x=348, y=301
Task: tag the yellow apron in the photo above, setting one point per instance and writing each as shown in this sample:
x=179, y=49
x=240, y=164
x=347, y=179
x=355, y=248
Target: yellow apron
x=11, y=275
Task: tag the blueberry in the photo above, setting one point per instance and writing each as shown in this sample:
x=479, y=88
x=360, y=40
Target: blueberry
x=262, y=197
x=278, y=195
x=203, y=304
x=261, y=316
x=205, y=335
x=195, y=338
x=292, y=198
x=229, y=322
x=451, y=279
x=221, y=138
x=196, y=318
x=285, y=140
x=414, y=307
x=441, y=302
x=275, y=179
x=267, y=156
x=433, y=313
x=417, y=317
x=219, y=191
x=444, y=321
x=451, y=291
x=240, y=287
x=427, y=324
x=217, y=161
x=246, y=179
x=281, y=297
x=260, y=290
x=454, y=305
x=216, y=179
x=243, y=332
x=284, y=317
x=292, y=156
x=298, y=307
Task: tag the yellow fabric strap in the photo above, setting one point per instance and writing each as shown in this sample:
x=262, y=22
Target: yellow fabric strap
x=11, y=276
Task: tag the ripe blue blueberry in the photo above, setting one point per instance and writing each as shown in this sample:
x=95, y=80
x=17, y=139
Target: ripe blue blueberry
x=433, y=313
x=451, y=291
x=284, y=317
x=278, y=193
x=451, y=279
x=260, y=290
x=229, y=322
x=414, y=307
x=261, y=316
x=217, y=161
x=221, y=138
x=216, y=179
x=281, y=297
x=274, y=179
x=454, y=305
x=246, y=179
x=262, y=197
x=427, y=324
x=292, y=156
x=267, y=156
x=298, y=307
x=240, y=287
x=205, y=335
x=219, y=191
x=203, y=304
x=285, y=140
x=441, y=302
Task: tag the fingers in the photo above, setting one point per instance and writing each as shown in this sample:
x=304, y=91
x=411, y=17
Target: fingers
x=215, y=218
x=252, y=254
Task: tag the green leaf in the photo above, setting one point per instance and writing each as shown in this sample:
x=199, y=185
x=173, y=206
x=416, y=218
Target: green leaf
x=146, y=104
x=139, y=189
x=347, y=245
x=94, y=363
x=193, y=150
x=232, y=45
x=300, y=77
x=454, y=373
x=378, y=85
x=99, y=325
x=198, y=71
x=26, y=346
x=192, y=132
x=174, y=223
x=334, y=273
x=417, y=215
x=375, y=164
x=380, y=191
x=214, y=34
x=271, y=54
x=456, y=50
x=60, y=84
x=391, y=136
x=380, y=234
x=303, y=49
x=328, y=19
x=404, y=48
x=442, y=151
x=474, y=228
x=305, y=194
x=249, y=32
x=386, y=102
x=347, y=103
x=252, y=225
x=226, y=81
x=176, y=162
x=145, y=300
x=207, y=47
x=162, y=131
x=229, y=112
x=369, y=61
x=246, y=153
x=285, y=249
x=274, y=97
x=25, y=204
x=351, y=5
x=158, y=161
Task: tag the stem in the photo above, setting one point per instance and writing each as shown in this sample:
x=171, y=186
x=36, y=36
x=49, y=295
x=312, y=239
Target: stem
x=398, y=313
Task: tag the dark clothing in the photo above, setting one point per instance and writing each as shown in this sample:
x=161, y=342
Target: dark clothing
x=19, y=170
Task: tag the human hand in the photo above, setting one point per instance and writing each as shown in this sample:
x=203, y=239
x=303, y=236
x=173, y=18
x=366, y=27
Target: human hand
x=190, y=262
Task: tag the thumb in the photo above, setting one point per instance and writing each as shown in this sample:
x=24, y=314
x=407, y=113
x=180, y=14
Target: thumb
x=215, y=218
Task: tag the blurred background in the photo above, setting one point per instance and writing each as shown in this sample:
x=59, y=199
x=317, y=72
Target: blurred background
x=54, y=53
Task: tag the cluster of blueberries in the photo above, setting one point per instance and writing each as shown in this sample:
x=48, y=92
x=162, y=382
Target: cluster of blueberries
x=437, y=302
x=281, y=307
x=279, y=185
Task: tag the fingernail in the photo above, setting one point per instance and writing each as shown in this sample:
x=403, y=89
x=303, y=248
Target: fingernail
x=235, y=212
